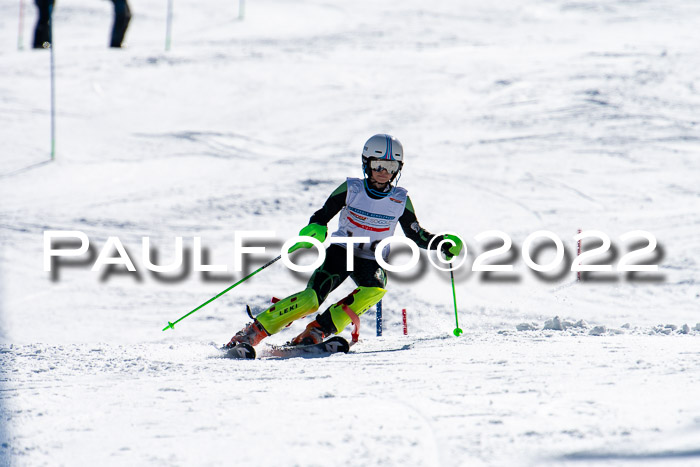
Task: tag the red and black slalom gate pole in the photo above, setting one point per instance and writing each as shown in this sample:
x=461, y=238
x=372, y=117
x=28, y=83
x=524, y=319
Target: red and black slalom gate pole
x=578, y=253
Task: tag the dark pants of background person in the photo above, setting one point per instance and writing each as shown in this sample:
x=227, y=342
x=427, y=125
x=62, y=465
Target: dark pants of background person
x=42, y=32
x=122, y=16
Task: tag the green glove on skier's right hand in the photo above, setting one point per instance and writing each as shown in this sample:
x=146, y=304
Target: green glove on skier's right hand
x=450, y=250
x=312, y=230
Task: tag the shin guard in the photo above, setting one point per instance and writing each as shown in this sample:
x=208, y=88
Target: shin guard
x=287, y=310
x=359, y=301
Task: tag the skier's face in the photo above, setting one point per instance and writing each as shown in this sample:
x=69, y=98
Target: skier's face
x=381, y=177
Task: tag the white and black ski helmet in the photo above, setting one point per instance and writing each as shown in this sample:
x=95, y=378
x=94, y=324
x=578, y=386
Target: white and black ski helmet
x=384, y=147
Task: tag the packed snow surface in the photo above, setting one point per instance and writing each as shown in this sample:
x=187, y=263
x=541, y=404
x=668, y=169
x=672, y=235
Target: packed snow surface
x=516, y=116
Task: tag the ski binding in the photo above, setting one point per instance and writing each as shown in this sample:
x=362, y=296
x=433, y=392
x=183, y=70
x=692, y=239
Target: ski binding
x=330, y=346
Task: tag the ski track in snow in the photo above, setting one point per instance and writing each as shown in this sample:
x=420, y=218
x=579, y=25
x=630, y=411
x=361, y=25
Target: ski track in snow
x=518, y=116
x=447, y=399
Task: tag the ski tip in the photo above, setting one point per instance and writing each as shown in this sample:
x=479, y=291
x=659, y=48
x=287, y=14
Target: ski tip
x=337, y=344
x=244, y=351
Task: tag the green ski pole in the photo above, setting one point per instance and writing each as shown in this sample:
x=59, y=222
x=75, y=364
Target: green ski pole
x=171, y=325
x=168, y=25
x=457, y=330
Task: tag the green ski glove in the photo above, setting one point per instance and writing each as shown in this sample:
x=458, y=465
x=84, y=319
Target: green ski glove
x=449, y=250
x=312, y=230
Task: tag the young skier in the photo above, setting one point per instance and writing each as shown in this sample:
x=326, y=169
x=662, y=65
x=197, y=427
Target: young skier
x=370, y=207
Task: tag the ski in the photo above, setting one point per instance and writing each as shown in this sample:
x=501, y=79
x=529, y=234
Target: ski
x=243, y=351
x=328, y=347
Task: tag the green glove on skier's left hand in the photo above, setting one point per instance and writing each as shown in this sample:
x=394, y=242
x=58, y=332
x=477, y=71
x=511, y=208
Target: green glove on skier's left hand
x=312, y=230
x=450, y=250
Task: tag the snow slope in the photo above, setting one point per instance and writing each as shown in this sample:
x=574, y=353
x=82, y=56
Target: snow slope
x=517, y=116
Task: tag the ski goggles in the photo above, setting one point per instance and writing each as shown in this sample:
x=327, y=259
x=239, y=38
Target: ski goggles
x=390, y=166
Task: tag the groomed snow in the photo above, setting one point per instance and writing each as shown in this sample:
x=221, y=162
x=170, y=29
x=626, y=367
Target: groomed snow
x=517, y=116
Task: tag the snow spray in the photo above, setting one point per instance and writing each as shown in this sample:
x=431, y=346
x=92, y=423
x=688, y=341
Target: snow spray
x=405, y=323
x=379, y=318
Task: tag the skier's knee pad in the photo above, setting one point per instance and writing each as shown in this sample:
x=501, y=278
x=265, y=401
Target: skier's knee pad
x=287, y=310
x=359, y=301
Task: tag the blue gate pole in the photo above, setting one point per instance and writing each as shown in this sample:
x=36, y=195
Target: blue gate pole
x=379, y=318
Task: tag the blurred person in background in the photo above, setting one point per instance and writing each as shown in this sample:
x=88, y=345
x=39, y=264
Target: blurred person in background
x=42, y=31
x=122, y=16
